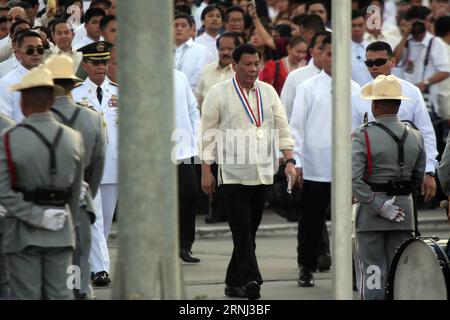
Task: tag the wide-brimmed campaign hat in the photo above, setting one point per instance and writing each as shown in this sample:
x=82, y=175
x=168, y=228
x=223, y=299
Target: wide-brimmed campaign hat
x=61, y=67
x=36, y=77
x=384, y=88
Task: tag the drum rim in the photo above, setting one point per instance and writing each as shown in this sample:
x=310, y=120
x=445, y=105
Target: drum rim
x=389, y=290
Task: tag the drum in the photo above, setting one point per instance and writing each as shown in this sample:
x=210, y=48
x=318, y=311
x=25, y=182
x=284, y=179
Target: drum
x=420, y=270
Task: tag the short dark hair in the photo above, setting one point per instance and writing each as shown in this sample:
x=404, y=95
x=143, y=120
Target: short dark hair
x=327, y=40
x=54, y=22
x=210, y=8
x=298, y=19
x=3, y=20
x=417, y=12
x=181, y=15
x=183, y=8
x=317, y=35
x=231, y=35
x=356, y=14
x=244, y=49
x=26, y=34
x=310, y=3
x=314, y=23
x=105, y=2
x=46, y=30
x=93, y=12
x=33, y=3
x=380, y=46
x=233, y=9
x=390, y=103
x=17, y=34
x=442, y=26
x=284, y=30
x=105, y=20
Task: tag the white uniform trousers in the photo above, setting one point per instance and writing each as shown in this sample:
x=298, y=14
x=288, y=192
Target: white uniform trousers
x=99, y=257
x=109, y=202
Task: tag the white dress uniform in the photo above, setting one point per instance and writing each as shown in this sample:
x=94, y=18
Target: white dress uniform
x=84, y=42
x=414, y=111
x=106, y=198
x=10, y=101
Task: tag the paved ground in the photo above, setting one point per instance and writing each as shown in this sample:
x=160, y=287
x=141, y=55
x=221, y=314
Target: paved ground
x=276, y=251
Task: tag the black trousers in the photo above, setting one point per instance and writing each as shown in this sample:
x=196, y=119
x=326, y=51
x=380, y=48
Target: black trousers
x=316, y=201
x=245, y=210
x=187, y=195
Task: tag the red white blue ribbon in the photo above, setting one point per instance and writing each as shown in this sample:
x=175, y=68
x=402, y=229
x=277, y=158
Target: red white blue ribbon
x=240, y=92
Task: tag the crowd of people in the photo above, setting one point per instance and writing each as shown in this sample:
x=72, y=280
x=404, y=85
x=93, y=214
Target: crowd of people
x=252, y=74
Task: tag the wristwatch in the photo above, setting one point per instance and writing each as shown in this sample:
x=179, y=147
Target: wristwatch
x=426, y=83
x=430, y=173
x=291, y=160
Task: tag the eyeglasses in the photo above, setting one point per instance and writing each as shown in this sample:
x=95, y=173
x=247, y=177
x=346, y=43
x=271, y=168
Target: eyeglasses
x=30, y=51
x=377, y=62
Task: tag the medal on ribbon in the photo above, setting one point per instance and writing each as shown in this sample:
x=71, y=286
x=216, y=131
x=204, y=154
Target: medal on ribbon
x=257, y=121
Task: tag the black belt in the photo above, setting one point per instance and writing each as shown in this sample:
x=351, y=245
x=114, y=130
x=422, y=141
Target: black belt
x=393, y=188
x=378, y=187
x=50, y=196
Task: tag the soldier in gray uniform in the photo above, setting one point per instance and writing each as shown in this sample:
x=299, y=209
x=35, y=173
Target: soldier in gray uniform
x=41, y=170
x=89, y=123
x=5, y=122
x=388, y=162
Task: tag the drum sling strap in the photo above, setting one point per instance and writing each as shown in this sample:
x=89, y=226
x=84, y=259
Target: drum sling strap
x=68, y=122
x=400, y=142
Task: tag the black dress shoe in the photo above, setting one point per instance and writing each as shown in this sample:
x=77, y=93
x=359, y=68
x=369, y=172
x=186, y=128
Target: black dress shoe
x=186, y=256
x=252, y=289
x=235, y=292
x=306, y=278
x=324, y=263
x=100, y=279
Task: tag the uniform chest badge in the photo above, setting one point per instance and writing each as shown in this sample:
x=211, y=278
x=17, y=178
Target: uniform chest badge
x=113, y=102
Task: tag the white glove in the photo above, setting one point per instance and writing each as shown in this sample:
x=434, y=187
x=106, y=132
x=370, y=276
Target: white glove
x=54, y=219
x=391, y=212
x=3, y=211
x=84, y=189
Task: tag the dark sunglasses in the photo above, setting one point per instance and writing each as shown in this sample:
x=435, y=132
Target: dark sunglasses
x=377, y=62
x=30, y=51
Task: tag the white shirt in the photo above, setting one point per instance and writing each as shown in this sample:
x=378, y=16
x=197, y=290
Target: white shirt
x=212, y=74
x=387, y=34
x=191, y=58
x=86, y=93
x=198, y=15
x=8, y=66
x=310, y=125
x=84, y=42
x=187, y=119
x=438, y=62
x=10, y=101
x=210, y=44
x=414, y=111
x=79, y=33
x=360, y=73
x=293, y=80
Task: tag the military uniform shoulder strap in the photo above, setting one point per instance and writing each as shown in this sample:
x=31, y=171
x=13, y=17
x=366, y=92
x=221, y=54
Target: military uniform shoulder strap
x=50, y=146
x=86, y=105
x=367, y=125
x=410, y=123
x=113, y=83
x=400, y=141
x=68, y=122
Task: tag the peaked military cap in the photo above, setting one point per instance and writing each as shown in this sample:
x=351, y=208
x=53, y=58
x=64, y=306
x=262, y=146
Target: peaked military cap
x=97, y=51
